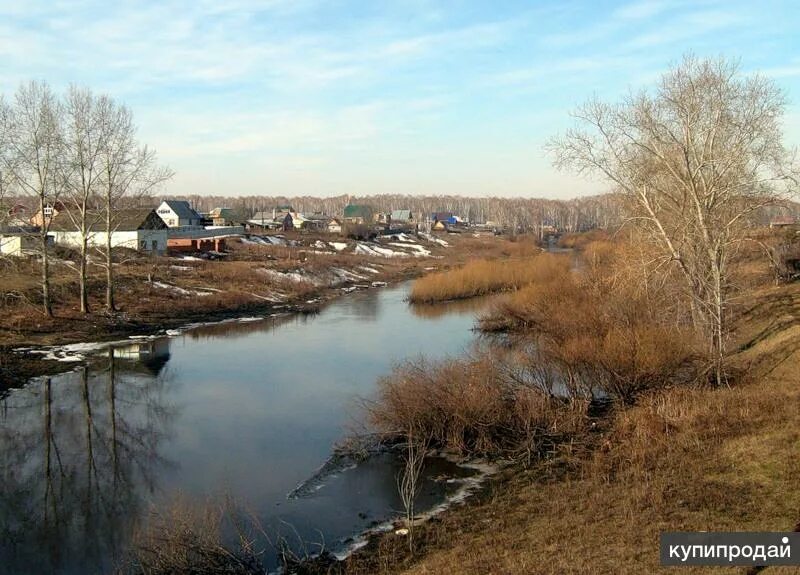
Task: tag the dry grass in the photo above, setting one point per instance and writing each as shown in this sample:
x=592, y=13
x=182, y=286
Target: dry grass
x=481, y=277
x=580, y=240
x=682, y=459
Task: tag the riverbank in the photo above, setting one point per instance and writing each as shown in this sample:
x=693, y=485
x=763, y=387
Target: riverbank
x=197, y=414
x=290, y=273
x=681, y=459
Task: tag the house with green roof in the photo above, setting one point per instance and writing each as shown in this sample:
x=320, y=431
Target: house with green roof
x=358, y=214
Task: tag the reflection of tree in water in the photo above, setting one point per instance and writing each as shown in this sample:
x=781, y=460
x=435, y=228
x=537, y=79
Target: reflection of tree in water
x=77, y=451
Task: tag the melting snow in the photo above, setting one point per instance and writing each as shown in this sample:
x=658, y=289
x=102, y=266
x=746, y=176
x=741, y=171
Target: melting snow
x=290, y=276
x=179, y=290
x=418, y=250
x=434, y=239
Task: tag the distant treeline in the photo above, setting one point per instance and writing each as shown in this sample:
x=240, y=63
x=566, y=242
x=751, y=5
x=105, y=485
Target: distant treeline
x=519, y=215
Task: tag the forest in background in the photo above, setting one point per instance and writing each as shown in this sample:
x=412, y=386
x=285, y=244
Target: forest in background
x=520, y=215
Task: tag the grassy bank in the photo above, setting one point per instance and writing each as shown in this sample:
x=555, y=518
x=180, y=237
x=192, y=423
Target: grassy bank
x=592, y=495
x=681, y=459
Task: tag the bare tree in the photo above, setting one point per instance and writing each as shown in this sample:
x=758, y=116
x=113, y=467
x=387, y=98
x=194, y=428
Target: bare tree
x=32, y=133
x=85, y=141
x=5, y=160
x=408, y=482
x=695, y=158
x=129, y=173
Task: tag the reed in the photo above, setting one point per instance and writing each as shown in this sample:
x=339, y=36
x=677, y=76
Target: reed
x=482, y=277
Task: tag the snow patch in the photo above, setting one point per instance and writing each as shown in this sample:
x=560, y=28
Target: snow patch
x=417, y=250
x=434, y=239
x=181, y=291
x=377, y=251
x=296, y=277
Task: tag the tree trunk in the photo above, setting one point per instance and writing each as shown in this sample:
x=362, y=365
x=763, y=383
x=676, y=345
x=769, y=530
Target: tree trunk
x=110, y=306
x=84, y=295
x=719, y=328
x=46, y=303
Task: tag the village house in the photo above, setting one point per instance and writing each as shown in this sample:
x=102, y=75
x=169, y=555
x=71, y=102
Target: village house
x=223, y=217
x=44, y=217
x=285, y=218
x=316, y=222
x=444, y=221
x=446, y=218
x=179, y=213
x=298, y=220
x=288, y=222
x=262, y=221
x=138, y=229
x=18, y=243
x=401, y=219
x=16, y=215
x=358, y=214
x=335, y=226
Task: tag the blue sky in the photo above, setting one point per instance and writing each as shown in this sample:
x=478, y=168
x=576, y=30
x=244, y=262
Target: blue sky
x=324, y=98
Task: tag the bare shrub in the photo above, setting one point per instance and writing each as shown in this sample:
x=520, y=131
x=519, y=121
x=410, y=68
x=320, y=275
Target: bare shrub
x=604, y=328
x=189, y=539
x=471, y=407
x=408, y=485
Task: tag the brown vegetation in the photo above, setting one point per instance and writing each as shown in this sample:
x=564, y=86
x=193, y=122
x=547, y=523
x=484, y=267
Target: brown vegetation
x=190, y=539
x=473, y=408
x=481, y=277
x=579, y=241
x=603, y=326
x=683, y=458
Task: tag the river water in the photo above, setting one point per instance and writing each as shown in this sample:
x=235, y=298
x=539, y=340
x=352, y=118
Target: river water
x=242, y=411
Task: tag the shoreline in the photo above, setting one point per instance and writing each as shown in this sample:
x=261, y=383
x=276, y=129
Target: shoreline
x=24, y=360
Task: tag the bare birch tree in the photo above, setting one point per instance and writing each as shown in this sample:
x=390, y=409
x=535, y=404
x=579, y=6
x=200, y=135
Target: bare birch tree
x=696, y=157
x=32, y=133
x=129, y=173
x=5, y=161
x=85, y=141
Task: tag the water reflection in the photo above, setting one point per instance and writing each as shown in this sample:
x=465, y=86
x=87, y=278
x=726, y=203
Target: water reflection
x=149, y=355
x=245, y=409
x=79, y=457
x=469, y=306
x=248, y=326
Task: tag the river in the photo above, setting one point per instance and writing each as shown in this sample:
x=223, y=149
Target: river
x=243, y=410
